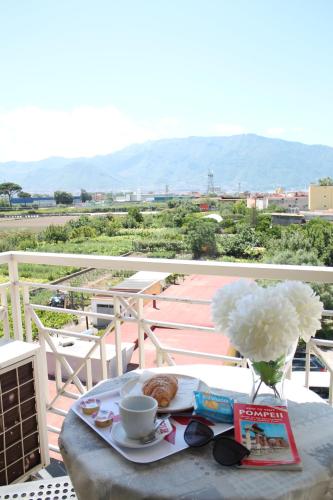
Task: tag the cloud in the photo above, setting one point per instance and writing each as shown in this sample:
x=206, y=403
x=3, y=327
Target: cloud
x=32, y=133
x=229, y=129
x=274, y=132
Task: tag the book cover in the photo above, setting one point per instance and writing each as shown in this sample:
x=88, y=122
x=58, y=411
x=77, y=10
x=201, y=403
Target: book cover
x=266, y=432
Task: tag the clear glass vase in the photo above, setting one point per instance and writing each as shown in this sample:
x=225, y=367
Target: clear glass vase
x=268, y=379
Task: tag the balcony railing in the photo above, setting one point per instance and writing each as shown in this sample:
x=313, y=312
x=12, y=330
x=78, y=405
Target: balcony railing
x=128, y=308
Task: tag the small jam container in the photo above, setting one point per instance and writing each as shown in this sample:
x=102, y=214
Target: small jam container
x=104, y=418
x=90, y=405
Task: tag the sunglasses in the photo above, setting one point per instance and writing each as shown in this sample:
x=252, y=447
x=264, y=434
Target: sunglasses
x=226, y=451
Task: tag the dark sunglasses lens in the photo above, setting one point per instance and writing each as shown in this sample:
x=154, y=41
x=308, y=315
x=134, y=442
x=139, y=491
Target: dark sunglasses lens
x=227, y=451
x=197, y=434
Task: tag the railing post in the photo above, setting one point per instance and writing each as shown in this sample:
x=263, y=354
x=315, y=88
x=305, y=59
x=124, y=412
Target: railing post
x=159, y=357
x=27, y=314
x=15, y=299
x=141, y=333
x=102, y=350
x=307, y=364
x=117, y=335
x=6, y=328
x=330, y=391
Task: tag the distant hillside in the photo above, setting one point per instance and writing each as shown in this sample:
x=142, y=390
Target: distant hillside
x=254, y=162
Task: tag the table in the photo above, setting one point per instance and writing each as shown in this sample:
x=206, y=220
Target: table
x=99, y=473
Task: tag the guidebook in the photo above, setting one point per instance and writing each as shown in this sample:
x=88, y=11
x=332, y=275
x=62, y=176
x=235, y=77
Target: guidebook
x=266, y=432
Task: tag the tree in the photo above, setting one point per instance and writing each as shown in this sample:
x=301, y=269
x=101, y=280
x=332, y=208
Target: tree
x=202, y=239
x=85, y=196
x=134, y=213
x=63, y=198
x=23, y=194
x=325, y=181
x=9, y=189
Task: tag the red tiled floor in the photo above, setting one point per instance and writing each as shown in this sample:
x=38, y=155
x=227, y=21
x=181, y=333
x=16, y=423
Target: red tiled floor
x=195, y=287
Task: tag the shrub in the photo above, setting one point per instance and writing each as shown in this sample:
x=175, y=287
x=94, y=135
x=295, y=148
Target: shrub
x=55, y=233
x=202, y=240
x=83, y=232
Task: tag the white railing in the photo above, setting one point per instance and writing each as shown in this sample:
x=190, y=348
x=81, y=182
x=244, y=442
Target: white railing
x=128, y=307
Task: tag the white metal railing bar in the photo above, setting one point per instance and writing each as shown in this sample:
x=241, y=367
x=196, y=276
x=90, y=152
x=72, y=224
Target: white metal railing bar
x=313, y=347
x=115, y=293
x=244, y=270
x=5, y=318
x=72, y=373
x=5, y=285
x=117, y=334
x=68, y=333
x=5, y=257
x=182, y=326
x=77, y=312
x=321, y=342
x=141, y=332
x=219, y=357
x=58, y=411
x=70, y=394
x=54, y=448
x=15, y=299
x=51, y=428
x=149, y=332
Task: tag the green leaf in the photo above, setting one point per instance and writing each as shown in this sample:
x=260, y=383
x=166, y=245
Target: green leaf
x=270, y=372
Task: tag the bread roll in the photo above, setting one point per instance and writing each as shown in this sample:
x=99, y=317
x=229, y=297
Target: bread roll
x=163, y=388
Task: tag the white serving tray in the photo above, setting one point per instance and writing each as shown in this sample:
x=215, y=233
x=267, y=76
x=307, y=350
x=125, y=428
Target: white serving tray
x=171, y=444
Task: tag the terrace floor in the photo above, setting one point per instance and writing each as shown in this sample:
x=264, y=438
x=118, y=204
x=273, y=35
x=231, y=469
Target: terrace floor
x=194, y=287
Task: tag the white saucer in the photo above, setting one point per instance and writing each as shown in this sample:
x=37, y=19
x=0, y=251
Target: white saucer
x=119, y=435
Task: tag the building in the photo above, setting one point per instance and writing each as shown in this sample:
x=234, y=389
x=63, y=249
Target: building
x=258, y=202
x=35, y=201
x=293, y=201
x=98, y=197
x=320, y=197
x=283, y=219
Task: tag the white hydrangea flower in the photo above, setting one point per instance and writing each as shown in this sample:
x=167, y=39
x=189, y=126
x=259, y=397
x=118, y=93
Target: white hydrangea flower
x=307, y=304
x=264, y=325
x=225, y=300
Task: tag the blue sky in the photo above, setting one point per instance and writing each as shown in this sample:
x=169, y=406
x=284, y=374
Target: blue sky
x=85, y=77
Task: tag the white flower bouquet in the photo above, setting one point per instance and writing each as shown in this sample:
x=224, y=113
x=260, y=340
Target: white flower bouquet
x=263, y=324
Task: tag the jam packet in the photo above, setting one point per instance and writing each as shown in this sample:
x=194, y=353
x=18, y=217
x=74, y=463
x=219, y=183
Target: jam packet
x=214, y=407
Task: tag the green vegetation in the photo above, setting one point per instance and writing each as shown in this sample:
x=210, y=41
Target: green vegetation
x=326, y=181
x=9, y=189
x=180, y=230
x=63, y=198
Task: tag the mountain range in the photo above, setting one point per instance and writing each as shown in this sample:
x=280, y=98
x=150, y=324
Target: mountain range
x=248, y=161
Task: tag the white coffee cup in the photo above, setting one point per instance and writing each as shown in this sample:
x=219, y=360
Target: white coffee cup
x=138, y=415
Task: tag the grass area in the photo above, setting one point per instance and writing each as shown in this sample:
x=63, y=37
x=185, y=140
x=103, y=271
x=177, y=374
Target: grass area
x=101, y=245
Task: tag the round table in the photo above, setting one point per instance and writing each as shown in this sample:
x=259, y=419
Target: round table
x=98, y=472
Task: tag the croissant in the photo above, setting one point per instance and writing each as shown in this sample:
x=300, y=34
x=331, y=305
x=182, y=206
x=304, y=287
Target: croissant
x=161, y=387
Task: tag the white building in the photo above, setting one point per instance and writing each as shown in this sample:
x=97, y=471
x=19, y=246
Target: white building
x=294, y=201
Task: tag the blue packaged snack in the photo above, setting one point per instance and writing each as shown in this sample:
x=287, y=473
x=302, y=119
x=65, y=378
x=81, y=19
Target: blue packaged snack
x=214, y=406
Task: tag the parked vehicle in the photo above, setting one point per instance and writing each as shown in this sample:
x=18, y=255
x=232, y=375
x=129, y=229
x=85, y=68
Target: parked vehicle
x=315, y=364
x=57, y=300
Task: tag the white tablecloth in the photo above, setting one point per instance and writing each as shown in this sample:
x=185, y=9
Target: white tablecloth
x=99, y=473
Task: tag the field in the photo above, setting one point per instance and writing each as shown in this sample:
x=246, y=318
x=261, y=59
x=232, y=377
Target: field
x=34, y=223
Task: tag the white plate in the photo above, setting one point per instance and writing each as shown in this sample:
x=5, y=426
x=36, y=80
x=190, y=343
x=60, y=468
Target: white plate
x=184, y=398
x=119, y=435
